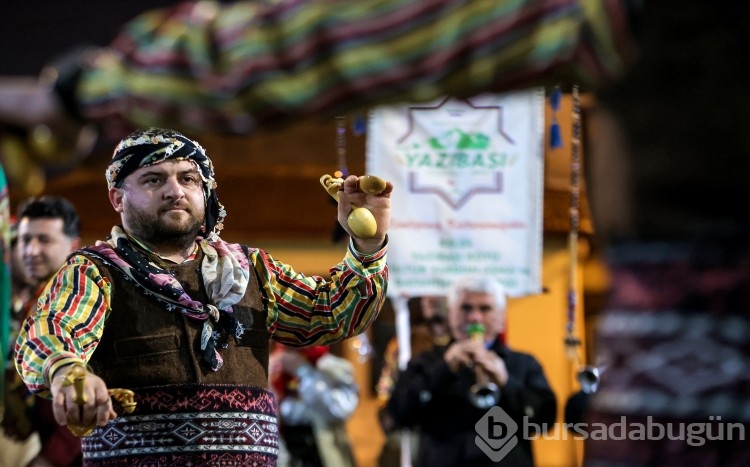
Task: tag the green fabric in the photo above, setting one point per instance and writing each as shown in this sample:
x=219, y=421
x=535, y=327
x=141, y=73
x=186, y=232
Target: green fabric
x=4, y=276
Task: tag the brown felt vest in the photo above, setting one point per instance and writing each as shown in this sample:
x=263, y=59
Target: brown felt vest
x=144, y=344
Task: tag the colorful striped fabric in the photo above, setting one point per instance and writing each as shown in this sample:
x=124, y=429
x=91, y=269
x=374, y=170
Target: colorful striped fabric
x=301, y=309
x=231, y=67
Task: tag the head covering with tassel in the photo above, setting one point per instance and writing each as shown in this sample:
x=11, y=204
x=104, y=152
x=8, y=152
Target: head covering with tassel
x=225, y=266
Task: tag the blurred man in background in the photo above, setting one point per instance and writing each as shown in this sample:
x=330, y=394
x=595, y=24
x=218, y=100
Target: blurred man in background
x=48, y=231
x=446, y=391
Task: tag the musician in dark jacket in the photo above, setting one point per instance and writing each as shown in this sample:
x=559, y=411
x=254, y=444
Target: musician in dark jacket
x=445, y=392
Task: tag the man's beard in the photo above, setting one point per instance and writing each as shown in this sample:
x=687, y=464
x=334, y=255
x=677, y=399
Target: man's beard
x=154, y=231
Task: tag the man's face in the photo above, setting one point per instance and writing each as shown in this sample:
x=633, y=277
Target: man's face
x=43, y=246
x=476, y=307
x=162, y=203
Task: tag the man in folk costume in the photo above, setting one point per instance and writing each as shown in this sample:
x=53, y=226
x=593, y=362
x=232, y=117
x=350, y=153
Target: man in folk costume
x=164, y=307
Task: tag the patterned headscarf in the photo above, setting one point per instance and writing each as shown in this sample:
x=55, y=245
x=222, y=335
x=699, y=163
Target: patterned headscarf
x=154, y=145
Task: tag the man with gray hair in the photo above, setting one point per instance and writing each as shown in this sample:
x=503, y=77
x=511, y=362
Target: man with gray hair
x=445, y=391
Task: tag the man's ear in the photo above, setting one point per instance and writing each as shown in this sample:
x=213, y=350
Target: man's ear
x=115, y=197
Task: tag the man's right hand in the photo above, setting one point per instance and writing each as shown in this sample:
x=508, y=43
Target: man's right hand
x=97, y=408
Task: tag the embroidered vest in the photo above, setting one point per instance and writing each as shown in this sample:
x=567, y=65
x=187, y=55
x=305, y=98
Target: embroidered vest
x=143, y=344
x=186, y=414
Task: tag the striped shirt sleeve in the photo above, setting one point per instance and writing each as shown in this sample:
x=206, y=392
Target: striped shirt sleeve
x=311, y=310
x=67, y=325
x=231, y=67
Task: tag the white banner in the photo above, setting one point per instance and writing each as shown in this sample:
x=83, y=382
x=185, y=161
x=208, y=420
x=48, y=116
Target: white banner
x=468, y=181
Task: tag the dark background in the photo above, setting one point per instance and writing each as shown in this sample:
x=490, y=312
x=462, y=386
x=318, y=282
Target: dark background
x=32, y=32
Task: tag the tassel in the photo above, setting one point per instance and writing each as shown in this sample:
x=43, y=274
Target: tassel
x=554, y=98
x=555, y=135
x=359, y=125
